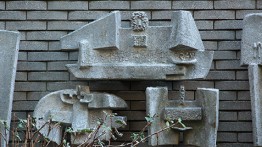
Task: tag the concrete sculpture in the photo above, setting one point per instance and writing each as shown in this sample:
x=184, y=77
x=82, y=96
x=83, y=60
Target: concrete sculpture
x=251, y=52
x=8, y=54
x=201, y=117
x=108, y=51
x=79, y=109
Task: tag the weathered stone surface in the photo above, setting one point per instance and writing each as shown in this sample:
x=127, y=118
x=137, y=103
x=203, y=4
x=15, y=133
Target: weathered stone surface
x=251, y=52
x=9, y=42
x=79, y=109
x=200, y=117
x=142, y=52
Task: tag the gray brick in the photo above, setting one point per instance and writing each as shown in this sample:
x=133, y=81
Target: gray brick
x=142, y=85
x=46, y=15
x=245, y=137
x=73, y=55
x=239, y=34
x=232, y=85
x=86, y=15
x=227, y=116
x=240, y=14
x=109, y=5
x=192, y=5
x=226, y=137
x=2, y=5
x=224, y=55
x=54, y=46
x=221, y=75
x=229, y=64
x=25, y=25
x=131, y=95
x=48, y=76
x=22, y=56
x=217, y=35
x=227, y=95
x=36, y=95
x=214, y=14
x=158, y=15
x=159, y=23
x=229, y=45
x=21, y=76
x=30, y=86
x=53, y=86
x=19, y=96
x=45, y=35
x=193, y=85
x=235, y=145
x=151, y=5
x=204, y=25
x=228, y=24
x=47, y=56
x=68, y=5
x=244, y=115
x=235, y=126
x=2, y=25
x=109, y=85
x=26, y=5
x=24, y=105
x=22, y=35
x=126, y=15
x=65, y=25
x=242, y=75
x=12, y=15
x=234, y=105
x=210, y=45
x=31, y=66
x=244, y=95
x=58, y=65
x=33, y=45
x=235, y=4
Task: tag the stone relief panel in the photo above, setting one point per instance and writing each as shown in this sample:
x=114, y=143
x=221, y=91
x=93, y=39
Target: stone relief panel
x=200, y=117
x=142, y=51
x=251, y=56
x=79, y=109
x=8, y=54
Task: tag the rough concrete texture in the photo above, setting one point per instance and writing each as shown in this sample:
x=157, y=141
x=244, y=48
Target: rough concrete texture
x=200, y=117
x=142, y=52
x=79, y=109
x=9, y=42
x=251, y=52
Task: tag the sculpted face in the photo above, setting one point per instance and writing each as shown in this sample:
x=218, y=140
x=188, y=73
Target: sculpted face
x=139, y=21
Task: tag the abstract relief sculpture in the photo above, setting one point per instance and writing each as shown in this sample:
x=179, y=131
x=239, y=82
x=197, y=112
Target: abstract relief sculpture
x=251, y=53
x=200, y=115
x=8, y=54
x=108, y=51
x=79, y=109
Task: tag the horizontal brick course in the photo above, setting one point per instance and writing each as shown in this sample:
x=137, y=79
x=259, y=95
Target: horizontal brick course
x=86, y=15
x=234, y=105
x=221, y=75
x=228, y=24
x=12, y=15
x=192, y=5
x=45, y=35
x=217, y=35
x=24, y=105
x=30, y=86
x=226, y=137
x=235, y=4
x=31, y=66
x=47, y=56
x=26, y=25
x=235, y=126
x=152, y=5
x=214, y=14
x=232, y=85
x=65, y=25
x=227, y=116
x=48, y=76
x=68, y=5
x=26, y=5
x=33, y=45
x=46, y=15
x=54, y=86
x=109, y=5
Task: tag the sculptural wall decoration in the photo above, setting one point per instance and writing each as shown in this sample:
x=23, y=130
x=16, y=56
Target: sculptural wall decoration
x=251, y=55
x=9, y=55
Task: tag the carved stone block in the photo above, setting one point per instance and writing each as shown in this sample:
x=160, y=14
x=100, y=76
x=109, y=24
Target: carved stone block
x=108, y=51
x=251, y=52
x=9, y=42
x=200, y=117
x=79, y=109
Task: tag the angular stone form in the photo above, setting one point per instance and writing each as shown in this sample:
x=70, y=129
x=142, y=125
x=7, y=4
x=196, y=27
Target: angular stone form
x=108, y=51
x=9, y=42
x=251, y=52
x=79, y=109
x=200, y=117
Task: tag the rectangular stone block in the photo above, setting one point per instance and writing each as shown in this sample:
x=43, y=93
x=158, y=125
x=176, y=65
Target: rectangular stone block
x=242, y=75
x=22, y=56
x=68, y=5
x=30, y=86
x=192, y=5
x=245, y=137
x=204, y=25
x=210, y=45
x=226, y=137
x=217, y=35
x=245, y=115
x=232, y=85
x=229, y=45
x=36, y=96
x=244, y=95
x=19, y=96
x=12, y=15
x=152, y=5
x=228, y=95
x=86, y=15
x=221, y=75
x=53, y=86
x=235, y=126
x=46, y=15
x=31, y=66
x=117, y=5
x=47, y=56
x=26, y=5
x=33, y=45
x=193, y=85
x=214, y=14
x=235, y=4
x=26, y=25
x=228, y=24
x=48, y=76
x=228, y=64
x=227, y=116
x=59, y=65
x=21, y=76
x=240, y=14
x=45, y=35
x=234, y=105
x=65, y=25
x=225, y=55
x=24, y=105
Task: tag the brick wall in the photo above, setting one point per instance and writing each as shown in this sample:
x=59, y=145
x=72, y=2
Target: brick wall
x=41, y=62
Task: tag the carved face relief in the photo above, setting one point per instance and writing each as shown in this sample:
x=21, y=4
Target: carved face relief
x=139, y=21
